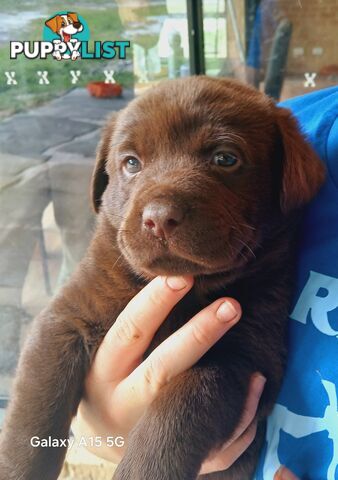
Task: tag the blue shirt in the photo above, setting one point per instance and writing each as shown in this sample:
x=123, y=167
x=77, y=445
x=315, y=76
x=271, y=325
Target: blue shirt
x=302, y=431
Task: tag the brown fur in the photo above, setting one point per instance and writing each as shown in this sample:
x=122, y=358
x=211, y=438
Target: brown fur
x=235, y=235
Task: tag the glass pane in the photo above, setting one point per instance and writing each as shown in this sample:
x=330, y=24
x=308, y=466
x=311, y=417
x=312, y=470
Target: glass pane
x=52, y=109
x=215, y=36
x=283, y=47
x=159, y=37
x=49, y=129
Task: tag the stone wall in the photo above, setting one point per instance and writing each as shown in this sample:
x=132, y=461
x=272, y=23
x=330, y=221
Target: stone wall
x=314, y=41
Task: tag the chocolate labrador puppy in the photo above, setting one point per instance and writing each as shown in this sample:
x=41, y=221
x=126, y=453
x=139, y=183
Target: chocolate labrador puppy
x=198, y=176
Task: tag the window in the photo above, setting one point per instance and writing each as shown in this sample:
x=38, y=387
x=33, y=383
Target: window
x=50, y=123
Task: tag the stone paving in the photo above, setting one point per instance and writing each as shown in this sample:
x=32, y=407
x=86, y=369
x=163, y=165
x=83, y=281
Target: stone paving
x=58, y=124
x=47, y=149
x=65, y=130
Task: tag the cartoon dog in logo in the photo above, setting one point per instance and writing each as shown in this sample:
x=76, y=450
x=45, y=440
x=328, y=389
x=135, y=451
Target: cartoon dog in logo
x=65, y=26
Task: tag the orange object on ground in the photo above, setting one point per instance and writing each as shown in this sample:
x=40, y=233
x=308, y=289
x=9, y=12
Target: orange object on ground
x=102, y=89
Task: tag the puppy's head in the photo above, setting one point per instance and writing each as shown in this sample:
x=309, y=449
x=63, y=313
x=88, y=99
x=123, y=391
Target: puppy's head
x=193, y=174
x=68, y=24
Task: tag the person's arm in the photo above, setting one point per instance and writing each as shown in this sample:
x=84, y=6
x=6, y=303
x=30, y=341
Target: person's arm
x=120, y=386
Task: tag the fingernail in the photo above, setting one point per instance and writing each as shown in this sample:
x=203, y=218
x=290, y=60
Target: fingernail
x=176, y=283
x=285, y=474
x=277, y=475
x=226, y=312
x=259, y=383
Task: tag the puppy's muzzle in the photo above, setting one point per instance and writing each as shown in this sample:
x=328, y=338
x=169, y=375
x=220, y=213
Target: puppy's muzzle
x=161, y=219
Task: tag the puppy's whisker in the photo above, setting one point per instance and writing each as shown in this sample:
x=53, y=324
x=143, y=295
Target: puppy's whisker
x=248, y=226
x=247, y=246
x=233, y=227
x=242, y=254
x=234, y=222
x=116, y=261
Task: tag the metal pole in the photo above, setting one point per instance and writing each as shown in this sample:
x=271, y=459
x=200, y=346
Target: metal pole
x=196, y=37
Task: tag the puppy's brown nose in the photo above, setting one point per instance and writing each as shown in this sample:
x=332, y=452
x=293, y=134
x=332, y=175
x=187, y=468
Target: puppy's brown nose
x=161, y=219
x=77, y=24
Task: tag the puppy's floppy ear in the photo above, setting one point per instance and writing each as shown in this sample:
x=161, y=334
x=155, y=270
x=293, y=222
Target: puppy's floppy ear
x=53, y=23
x=73, y=16
x=303, y=172
x=100, y=177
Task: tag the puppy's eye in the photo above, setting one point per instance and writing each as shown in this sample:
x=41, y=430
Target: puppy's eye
x=63, y=24
x=227, y=160
x=132, y=165
x=222, y=159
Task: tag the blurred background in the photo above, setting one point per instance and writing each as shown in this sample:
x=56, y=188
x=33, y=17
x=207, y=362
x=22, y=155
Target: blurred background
x=50, y=124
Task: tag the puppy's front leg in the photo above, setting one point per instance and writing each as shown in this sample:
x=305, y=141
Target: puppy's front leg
x=45, y=397
x=194, y=414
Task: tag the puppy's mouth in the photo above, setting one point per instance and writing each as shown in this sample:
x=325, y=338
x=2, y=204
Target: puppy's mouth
x=169, y=258
x=71, y=30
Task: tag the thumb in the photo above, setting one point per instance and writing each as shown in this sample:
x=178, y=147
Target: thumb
x=284, y=473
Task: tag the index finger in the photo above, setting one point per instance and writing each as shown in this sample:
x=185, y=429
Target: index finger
x=181, y=350
x=127, y=340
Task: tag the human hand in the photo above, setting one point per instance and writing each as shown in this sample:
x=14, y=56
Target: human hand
x=120, y=386
x=243, y=436
x=284, y=474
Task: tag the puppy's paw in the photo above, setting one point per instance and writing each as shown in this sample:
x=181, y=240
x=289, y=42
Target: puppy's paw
x=126, y=472
x=75, y=55
x=142, y=465
x=57, y=55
